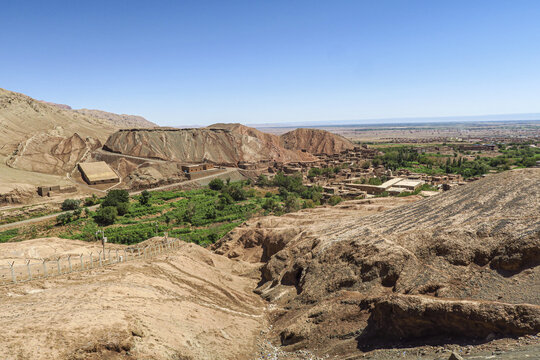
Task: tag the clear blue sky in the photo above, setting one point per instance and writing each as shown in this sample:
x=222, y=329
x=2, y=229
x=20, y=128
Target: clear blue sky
x=199, y=62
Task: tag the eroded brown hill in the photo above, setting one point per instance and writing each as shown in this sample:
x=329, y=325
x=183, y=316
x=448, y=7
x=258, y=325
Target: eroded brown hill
x=52, y=154
x=22, y=117
x=117, y=120
x=315, y=141
x=218, y=145
x=461, y=264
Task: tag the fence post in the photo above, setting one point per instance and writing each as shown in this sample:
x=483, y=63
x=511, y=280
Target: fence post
x=44, y=268
x=91, y=261
x=100, y=263
x=125, y=255
x=13, y=276
x=58, y=265
x=82, y=264
x=117, y=258
x=109, y=256
x=69, y=262
x=29, y=270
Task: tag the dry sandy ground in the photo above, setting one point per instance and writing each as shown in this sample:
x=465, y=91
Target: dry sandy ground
x=190, y=304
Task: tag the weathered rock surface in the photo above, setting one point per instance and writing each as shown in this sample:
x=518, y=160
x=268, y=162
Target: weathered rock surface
x=315, y=141
x=22, y=117
x=52, y=154
x=118, y=120
x=186, y=304
x=222, y=146
x=16, y=193
x=467, y=259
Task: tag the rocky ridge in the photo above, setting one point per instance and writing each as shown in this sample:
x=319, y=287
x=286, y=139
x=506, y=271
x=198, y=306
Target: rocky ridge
x=315, y=141
x=214, y=144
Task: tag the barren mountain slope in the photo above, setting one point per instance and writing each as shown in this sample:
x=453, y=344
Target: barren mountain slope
x=221, y=146
x=118, y=120
x=189, y=304
x=272, y=143
x=22, y=117
x=461, y=264
x=315, y=141
x=50, y=154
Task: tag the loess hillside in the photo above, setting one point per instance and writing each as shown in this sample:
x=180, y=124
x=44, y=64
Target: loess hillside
x=463, y=264
x=189, y=304
x=214, y=144
x=22, y=117
x=118, y=120
x=315, y=141
x=50, y=138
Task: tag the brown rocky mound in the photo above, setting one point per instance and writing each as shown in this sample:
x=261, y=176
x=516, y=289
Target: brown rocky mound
x=222, y=146
x=463, y=264
x=315, y=141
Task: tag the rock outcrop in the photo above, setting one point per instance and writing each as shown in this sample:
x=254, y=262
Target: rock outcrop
x=217, y=145
x=466, y=259
x=315, y=141
x=16, y=193
x=52, y=154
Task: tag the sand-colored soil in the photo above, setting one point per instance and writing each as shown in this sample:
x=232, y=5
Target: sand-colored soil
x=190, y=304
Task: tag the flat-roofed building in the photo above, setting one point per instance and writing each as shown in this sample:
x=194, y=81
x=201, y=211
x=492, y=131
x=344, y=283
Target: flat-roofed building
x=391, y=182
x=97, y=173
x=410, y=185
x=192, y=168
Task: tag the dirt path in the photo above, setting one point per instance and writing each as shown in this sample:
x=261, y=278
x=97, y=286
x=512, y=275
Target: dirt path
x=165, y=187
x=37, y=219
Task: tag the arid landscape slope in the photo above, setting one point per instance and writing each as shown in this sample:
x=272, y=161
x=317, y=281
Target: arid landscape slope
x=50, y=138
x=118, y=120
x=464, y=264
x=229, y=145
x=22, y=117
x=189, y=304
x=315, y=141
x=362, y=276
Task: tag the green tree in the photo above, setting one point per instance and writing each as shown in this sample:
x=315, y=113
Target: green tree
x=334, y=200
x=64, y=218
x=90, y=201
x=144, y=199
x=114, y=197
x=216, y=184
x=70, y=204
x=292, y=203
x=269, y=204
x=122, y=208
x=106, y=215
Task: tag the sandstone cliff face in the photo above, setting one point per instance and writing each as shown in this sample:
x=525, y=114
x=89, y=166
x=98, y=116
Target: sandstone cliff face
x=315, y=141
x=216, y=145
x=463, y=260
